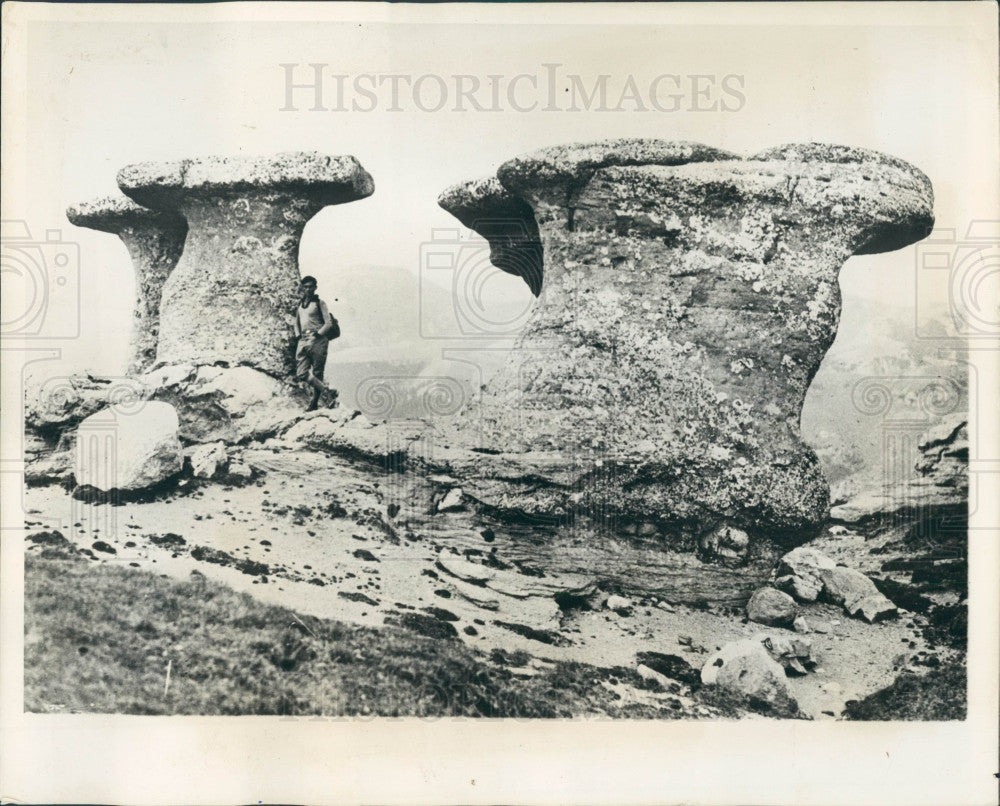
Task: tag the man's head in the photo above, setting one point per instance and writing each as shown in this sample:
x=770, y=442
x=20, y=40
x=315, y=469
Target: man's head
x=307, y=286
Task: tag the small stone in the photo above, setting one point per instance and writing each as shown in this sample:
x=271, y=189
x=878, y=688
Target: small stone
x=873, y=608
x=452, y=500
x=208, y=460
x=620, y=605
x=649, y=674
x=772, y=607
x=801, y=625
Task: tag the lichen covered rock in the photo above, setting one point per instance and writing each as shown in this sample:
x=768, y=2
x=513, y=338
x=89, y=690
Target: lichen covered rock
x=231, y=297
x=687, y=299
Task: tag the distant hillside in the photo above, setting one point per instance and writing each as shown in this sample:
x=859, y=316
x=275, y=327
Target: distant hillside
x=878, y=383
x=410, y=338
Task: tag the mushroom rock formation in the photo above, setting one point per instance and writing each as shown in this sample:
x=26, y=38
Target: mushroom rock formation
x=231, y=298
x=155, y=240
x=686, y=299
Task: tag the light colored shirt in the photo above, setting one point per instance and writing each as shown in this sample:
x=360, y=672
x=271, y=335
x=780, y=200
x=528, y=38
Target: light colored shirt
x=313, y=318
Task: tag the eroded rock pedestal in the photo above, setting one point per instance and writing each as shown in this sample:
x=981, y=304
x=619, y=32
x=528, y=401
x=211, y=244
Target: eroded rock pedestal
x=231, y=298
x=686, y=297
x=155, y=240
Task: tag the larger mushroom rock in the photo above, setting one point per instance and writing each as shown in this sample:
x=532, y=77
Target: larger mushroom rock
x=232, y=295
x=686, y=299
x=155, y=241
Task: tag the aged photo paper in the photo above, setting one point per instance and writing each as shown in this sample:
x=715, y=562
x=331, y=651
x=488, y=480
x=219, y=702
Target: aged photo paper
x=476, y=403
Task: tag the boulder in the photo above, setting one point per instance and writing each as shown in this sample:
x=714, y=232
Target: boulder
x=873, y=608
x=228, y=404
x=58, y=405
x=155, y=241
x=745, y=667
x=231, y=297
x=351, y=435
x=845, y=586
x=805, y=589
x=209, y=460
x=133, y=450
x=794, y=654
x=48, y=467
x=857, y=593
x=800, y=573
x=772, y=607
x=686, y=297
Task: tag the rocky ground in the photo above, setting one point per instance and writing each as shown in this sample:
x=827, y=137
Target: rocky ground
x=339, y=534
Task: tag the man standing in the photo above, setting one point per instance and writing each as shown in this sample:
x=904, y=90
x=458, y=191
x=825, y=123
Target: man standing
x=314, y=328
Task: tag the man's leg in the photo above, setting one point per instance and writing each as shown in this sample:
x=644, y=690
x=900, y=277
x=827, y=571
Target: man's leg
x=304, y=371
x=319, y=351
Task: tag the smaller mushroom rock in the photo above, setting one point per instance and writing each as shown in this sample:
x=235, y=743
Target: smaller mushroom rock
x=155, y=241
x=232, y=295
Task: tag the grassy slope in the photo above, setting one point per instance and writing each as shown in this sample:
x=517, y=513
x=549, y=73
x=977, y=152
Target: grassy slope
x=938, y=695
x=111, y=632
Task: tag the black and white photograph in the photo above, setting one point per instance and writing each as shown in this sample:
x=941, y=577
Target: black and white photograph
x=570, y=373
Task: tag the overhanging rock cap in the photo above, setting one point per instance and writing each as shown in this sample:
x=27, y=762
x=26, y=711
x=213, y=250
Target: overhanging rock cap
x=323, y=178
x=576, y=162
x=505, y=220
x=480, y=200
x=899, y=201
x=115, y=213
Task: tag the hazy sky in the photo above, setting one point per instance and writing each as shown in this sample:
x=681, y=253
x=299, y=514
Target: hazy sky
x=102, y=95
